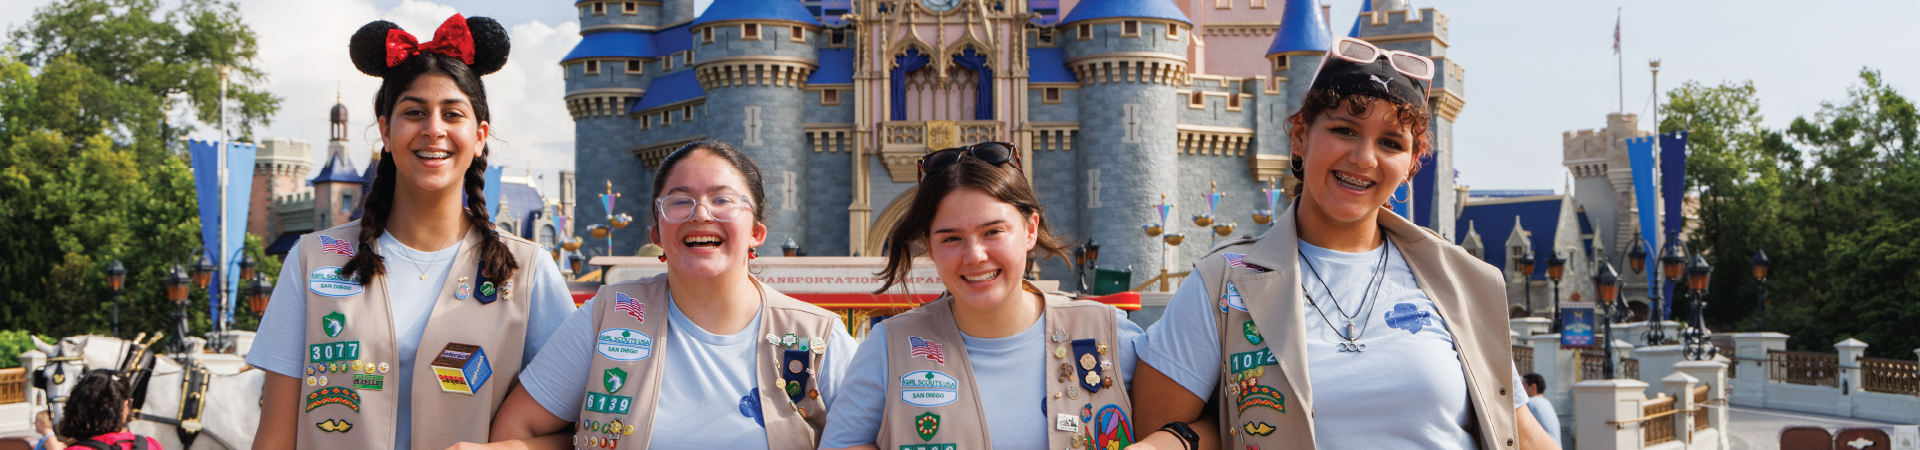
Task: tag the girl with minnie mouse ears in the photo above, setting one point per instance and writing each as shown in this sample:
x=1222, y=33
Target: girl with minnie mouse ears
x=407, y=328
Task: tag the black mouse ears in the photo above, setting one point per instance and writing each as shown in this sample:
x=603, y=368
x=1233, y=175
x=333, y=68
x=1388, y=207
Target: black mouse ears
x=479, y=42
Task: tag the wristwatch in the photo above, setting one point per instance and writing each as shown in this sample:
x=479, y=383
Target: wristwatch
x=1184, y=432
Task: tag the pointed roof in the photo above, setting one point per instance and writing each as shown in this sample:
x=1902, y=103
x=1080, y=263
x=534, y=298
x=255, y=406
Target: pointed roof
x=339, y=169
x=1302, y=30
x=1365, y=6
x=787, y=10
x=1105, y=9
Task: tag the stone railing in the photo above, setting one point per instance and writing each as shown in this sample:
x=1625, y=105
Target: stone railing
x=1686, y=412
x=1808, y=368
x=1054, y=136
x=1700, y=398
x=1593, y=365
x=1630, y=368
x=903, y=142
x=1890, y=376
x=1844, y=383
x=1655, y=427
x=1523, y=357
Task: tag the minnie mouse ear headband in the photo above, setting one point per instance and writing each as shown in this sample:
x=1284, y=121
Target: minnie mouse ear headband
x=479, y=42
x=1354, y=66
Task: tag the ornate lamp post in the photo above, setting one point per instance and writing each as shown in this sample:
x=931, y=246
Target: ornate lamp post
x=116, y=280
x=1760, y=265
x=790, y=249
x=575, y=261
x=1556, y=266
x=1697, y=348
x=1524, y=264
x=258, y=293
x=1265, y=216
x=1673, y=267
x=1158, y=229
x=1637, y=259
x=176, y=282
x=1212, y=199
x=1606, y=286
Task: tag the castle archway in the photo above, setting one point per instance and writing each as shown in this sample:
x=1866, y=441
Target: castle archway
x=883, y=225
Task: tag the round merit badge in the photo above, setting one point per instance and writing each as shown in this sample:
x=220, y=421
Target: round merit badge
x=795, y=366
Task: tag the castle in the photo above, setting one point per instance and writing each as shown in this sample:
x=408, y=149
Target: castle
x=1115, y=105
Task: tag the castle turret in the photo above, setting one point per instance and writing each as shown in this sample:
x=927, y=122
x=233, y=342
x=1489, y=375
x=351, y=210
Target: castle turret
x=1130, y=59
x=752, y=59
x=1392, y=26
x=280, y=166
x=620, y=53
x=1299, y=45
x=336, y=190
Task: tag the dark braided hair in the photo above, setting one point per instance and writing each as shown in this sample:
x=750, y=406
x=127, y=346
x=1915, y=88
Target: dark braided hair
x=94, y=407
x=368, y=49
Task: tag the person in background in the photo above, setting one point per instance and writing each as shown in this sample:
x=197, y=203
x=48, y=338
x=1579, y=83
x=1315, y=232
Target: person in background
x=98, y=408
x=1537, y=402
x=43, y=425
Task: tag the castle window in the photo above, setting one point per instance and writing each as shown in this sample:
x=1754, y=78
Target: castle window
x=1050, y=96
x=1045, y=37
x=1173, y=30
x=686, y=113
x=593, y=67
x=830, y=97
x=1280, y=63
x=750, y=31
x=1257, y=4
x=630, y=8
x=1233, y=100
x=1130, y=28
x=599, y=9
x=1223, y=4
x=666, y=119
x=633, y=66
x=666, y=64
x=796, y=34
x=1086, y=32
x=686, y=58
x=1197, y=99
x=706, y=35
x=646, y=123
x=839, y=39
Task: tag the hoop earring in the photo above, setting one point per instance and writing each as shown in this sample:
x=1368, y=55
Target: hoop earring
x=1409, y=194
x=1298, y=166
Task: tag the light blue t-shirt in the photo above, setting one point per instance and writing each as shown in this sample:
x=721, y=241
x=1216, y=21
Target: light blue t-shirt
x=1405, y=390
x=1544, y=413
x=709, y=378
x=280, y=347
x=1013, y=369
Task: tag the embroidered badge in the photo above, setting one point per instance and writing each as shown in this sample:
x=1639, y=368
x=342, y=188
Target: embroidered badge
x=334, y=425
x=1252, y=332
x=340, y=246
x=369, y=382
x=1112, y=430
x=608, y=404
x=927, y=424
x=1407, y=317
x=926, y=348
x=333, y=323
x=625, y=344
x=1232, y=297
x=330, y=281
x=333, y=396
x=1239, y=260
x=930, y=447
x=1247, y=360
x=613, y=379
x=750, y=407
x=1254, y=395
x=927, y=388
x=634, y=309
x=333, y=351
x=1258, y=428
x=462, y=368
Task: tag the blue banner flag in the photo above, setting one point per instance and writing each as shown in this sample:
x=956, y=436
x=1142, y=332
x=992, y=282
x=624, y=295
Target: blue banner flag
x=206, y=183
x=1641, y=154
x=1576, y=324
x=1673, y=187
x=1402, y=192
x=492, y=191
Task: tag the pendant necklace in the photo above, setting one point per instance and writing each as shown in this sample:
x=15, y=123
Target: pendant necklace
x=423, y=267
x=1368, y=299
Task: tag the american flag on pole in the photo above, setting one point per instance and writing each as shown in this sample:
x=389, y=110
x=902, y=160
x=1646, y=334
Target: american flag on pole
x=926, y=349
x=341, y=246
x=625, y=304
x=1616, y=35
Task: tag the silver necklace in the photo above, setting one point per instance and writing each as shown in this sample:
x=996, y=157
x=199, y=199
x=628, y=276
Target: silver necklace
x=1368, y=299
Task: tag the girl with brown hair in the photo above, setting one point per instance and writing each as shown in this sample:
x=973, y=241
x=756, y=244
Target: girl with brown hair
x=994, y=362
x=405, y=329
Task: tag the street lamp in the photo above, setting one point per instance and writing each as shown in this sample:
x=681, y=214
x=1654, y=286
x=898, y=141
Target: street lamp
x=116, y=280
x=259, y=293
x=202, y=270
x=176, y=283
x=1697, y=348
x=790, y=249
x=1084, y=256
x=1524, y=264
x=1556, y=266
x=1760, y=265
x=1606, y=286
x=246, y=266
x=575, y=260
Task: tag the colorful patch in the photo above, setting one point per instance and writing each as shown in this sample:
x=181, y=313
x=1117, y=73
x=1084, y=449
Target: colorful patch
x=1112, y=430
x=927, y=424
x=1232, y=296
x=1067, y=423
x=333, y=323
x=1254, y=395
x=1258, y=428
x=1248, y=360
x=926, y=348
x=335, y=426
x=796, y=373
x=462, y=368
x=330, y=281
x=333, y=396
x=341, y=247
x=633, y=308
x=463, y=291
x=613, y=379
x=369, y=382
x=1088, y=372
x=750, y=407
x=1405, y=316
x=609, y=404
x=1252, y=332
x=1086, y=413
x=927, y=388
x=625, y=344
x=332, y=352
x=1239, y=260
x=930, y=447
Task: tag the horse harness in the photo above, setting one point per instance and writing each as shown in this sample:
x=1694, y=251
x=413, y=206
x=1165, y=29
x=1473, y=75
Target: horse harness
x=137, y=368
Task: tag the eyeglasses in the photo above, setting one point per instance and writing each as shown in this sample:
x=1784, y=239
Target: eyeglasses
x=996, y=153
x=723, y=208
x=1361, y=52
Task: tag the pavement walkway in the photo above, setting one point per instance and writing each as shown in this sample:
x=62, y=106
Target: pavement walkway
x=1759, y=429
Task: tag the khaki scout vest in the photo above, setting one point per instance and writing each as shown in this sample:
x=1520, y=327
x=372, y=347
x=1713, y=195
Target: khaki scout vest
x=1264, y=396
x=348, y=388
x=630, y=320
x=935, y=405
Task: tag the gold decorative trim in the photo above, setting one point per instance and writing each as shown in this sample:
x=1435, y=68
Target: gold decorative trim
x=617, y=27
x=1447, y=104
x=1408, y=37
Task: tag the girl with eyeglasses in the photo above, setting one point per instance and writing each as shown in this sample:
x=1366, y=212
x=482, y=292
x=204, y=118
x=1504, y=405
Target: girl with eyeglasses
x=704, y=356
x=993, y=362
x=1343, y=307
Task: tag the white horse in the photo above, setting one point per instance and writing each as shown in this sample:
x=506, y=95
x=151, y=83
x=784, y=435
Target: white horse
x=229, y=415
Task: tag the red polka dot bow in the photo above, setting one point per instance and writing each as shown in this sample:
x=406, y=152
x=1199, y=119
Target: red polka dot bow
x=451, y=39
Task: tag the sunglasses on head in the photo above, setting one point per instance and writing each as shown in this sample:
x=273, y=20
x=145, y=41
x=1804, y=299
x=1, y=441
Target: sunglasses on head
x=1362, y=52
x=996, y=153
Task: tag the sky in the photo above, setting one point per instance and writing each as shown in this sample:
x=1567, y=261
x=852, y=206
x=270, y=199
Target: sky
x=1534, y=70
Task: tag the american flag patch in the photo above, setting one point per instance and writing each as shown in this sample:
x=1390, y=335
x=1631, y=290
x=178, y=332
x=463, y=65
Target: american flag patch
x=341, y=246
x=1239, y=260
x=625, y=304
x=926, y=349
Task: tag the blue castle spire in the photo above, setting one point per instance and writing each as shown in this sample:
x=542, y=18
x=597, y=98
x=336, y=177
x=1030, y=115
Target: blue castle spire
x=1148, y=9
x=1301, y=29
x=1365, y=6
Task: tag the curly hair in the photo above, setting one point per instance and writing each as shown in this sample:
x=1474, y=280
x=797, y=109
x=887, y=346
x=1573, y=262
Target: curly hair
x=96, y=406
x=1319, y=102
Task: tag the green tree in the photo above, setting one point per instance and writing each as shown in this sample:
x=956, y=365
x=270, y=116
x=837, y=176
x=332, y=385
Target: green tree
x=89, y=171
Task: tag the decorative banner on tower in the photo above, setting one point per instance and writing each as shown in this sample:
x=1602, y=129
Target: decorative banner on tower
x=206, y=184
x=492, y=192
x=1213, y=201
x=1273, y=199
x=1641, y=154
x=1673, y=187
x=1420, y=199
